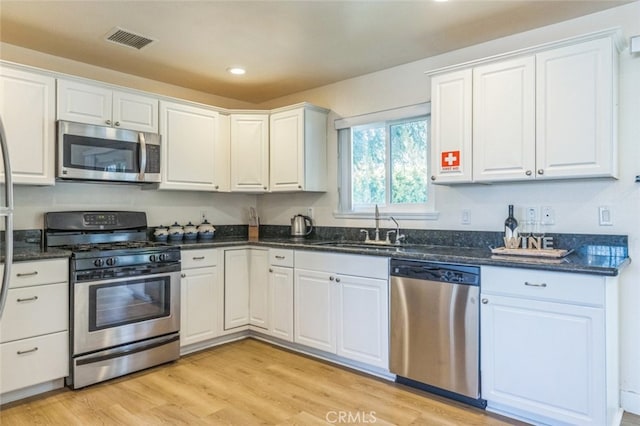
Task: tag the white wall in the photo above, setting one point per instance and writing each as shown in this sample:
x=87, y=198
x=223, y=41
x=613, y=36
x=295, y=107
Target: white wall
x=575, y=202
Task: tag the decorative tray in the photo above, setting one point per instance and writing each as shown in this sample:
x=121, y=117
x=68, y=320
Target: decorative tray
x=546, y=253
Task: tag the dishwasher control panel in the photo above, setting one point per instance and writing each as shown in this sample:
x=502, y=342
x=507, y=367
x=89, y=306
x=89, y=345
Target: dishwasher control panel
x=441, y=272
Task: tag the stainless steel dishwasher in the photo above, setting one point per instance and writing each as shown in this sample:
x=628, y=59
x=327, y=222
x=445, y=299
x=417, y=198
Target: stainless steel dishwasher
x=435, y=328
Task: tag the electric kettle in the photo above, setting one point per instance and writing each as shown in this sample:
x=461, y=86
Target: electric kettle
x=299, y=226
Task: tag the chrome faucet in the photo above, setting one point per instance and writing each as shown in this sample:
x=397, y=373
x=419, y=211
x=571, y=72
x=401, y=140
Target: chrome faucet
x=377, y=217
x=399, y=236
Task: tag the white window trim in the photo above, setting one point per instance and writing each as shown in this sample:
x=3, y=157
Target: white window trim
x=344, y=163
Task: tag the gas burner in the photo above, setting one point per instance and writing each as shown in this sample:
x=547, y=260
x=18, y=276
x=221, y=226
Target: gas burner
x=119, y=245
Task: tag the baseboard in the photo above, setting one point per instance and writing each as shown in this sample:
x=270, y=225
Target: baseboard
x=630, y=402
x=18, y=394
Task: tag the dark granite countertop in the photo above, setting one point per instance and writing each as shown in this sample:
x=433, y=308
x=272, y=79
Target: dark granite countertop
x=606, y=260
x=588, y=259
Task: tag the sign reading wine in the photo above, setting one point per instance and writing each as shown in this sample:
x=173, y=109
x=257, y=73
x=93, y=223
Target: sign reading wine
x=450, y=160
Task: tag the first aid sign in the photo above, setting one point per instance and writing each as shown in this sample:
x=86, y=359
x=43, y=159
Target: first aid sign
x=450, y=160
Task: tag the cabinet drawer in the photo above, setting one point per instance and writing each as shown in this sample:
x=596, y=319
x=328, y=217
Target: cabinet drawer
x=31, y=361
x=33, y=311
x=199, y=258
x=281, y=257
x=25, y=274
x=544, y=285
x=346, y=264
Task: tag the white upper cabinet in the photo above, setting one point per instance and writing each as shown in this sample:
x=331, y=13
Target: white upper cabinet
x=190, y=137
x=451, y=127
x=103, y=106
x=27, y=107
x=298, y=149
x=504, y=139
x=547, y=113
x=250, y=152
x=575, y=111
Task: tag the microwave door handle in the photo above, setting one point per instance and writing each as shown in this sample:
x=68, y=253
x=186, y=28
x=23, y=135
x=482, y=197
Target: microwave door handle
x=143, y=156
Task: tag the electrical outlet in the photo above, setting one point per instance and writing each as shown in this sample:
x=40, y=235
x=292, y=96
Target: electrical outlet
x=531, y=214
x=548, y=216
x=465, y=217
x=310, y=212
x=605, y=218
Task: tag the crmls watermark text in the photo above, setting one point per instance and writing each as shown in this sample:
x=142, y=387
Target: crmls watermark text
x=351, y=417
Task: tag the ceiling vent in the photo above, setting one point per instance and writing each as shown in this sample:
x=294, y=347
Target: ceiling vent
x=128, y=38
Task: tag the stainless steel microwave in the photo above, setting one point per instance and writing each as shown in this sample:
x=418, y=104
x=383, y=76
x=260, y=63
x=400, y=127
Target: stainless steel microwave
x=98, y=153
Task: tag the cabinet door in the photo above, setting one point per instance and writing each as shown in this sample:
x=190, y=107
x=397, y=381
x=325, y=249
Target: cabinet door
x=286, y=149
x=315, y=294
x=363, y=320
x=576, y=111
x=236, y=288
x=544, y=360
x=84, y=103
x=135, y=112
x=451, y=123
x=504, y=145
x=250, y=152
x=259, y=288
x=27, y=107
x=188, y=147
x=281, y=302
x=199, y=305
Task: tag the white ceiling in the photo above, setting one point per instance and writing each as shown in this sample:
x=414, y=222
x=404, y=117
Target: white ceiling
x=286, y=46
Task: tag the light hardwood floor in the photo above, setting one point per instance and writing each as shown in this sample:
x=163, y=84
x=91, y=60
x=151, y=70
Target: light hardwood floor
x=244, y=383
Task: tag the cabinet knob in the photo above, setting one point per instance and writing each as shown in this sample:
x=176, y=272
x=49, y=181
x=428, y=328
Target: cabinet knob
x=528, y=173
x=108, y=122
x=299, y=186
x=433, y=178
x=337, y=280
x=183, y=275
x=270, y=269
x=264, y=187
x=217, y=187
x=331, y=278
x=117, y=123
x=540, y=171
x=485, y=301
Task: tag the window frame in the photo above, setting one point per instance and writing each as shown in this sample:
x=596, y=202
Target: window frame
x=345, y=208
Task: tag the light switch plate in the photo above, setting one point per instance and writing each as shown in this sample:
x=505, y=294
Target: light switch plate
x=605, y=217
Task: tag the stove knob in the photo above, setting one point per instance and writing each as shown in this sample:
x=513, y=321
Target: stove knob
x=152, y=258
x=163, y=257
x=98, y=262
x=111, y=261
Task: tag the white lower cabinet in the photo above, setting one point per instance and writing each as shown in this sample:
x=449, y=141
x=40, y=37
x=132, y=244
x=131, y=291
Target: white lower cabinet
x=259, y=288
x=200, y=302
x=34, y=338
x=281, y=302
x=342, y=305
x=549, y=346
x=236, y=288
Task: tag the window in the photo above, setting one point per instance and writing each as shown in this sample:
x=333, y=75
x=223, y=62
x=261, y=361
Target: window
x=385, y=162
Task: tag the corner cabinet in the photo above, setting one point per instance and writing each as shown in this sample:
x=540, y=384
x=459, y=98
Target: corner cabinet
x=100, y=105
x=190, y=146
x=249, y=153
x=28, y=108
x=544, y=113
x=298, y=149
x=549, y=346
x=342, y=305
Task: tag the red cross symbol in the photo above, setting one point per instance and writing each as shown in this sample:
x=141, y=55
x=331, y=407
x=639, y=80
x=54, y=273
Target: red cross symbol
x=450, y=159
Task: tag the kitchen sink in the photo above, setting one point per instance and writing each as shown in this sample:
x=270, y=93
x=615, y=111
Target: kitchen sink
x=379, y=247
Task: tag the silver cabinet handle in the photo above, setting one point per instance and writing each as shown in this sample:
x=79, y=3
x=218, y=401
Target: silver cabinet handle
x=279, y=257
x=299, y=186
x=535, y=284
x=27, y=299
x=27, y=274
x=528, y=173
x=338, y=279
x=270, y=269
x=117, y=123
x=183, y=275
x=485, y=301
x=108, y=122
x=264, y=187
x=331, y=278
x=27, y=351
x=433, y=178
x=198, y=258
x=540, y=171
x=217, y=187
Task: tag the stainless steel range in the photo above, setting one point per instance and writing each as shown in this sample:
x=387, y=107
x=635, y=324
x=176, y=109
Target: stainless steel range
x=124, y=295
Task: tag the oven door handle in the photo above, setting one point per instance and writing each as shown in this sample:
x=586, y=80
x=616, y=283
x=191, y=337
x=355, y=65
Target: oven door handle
x=175, y=274
x=143, y=156
x=127, y=350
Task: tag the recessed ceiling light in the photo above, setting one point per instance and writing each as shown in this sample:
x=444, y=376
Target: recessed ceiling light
x=236, y=70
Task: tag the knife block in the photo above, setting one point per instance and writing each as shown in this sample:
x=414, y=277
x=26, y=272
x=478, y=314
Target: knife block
x=253, y=233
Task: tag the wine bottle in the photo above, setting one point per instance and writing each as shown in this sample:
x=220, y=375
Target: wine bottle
x=510, y=225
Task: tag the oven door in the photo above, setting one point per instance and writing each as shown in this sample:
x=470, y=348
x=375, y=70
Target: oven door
x=109, y=313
